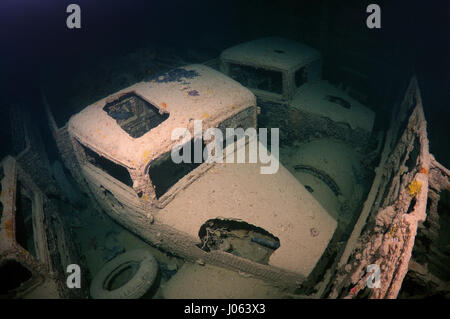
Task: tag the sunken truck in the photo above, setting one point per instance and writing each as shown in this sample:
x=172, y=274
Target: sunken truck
x=267, y=225
x=228, y=214
x=286, y=77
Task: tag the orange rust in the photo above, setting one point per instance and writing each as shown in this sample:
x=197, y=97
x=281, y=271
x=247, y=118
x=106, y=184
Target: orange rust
x=9, y=227
x=423, y=170
x=164, y=105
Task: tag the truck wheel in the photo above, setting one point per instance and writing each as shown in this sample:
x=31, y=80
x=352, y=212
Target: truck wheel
x=128, y=276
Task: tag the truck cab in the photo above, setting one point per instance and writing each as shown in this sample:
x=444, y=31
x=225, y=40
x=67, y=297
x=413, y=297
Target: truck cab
x=227, y=214
x=286, y=77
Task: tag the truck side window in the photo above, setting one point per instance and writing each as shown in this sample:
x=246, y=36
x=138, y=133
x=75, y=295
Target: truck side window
x=243, y=120
x=24, y=219
x=257, y=78
x=300, y=77
x=115, y=170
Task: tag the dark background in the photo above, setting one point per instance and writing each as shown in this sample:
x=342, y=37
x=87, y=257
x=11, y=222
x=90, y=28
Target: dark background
x=34, y=41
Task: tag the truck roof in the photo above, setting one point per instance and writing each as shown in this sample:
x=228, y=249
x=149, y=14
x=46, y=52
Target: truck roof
x=194, y=92
x=274, y=52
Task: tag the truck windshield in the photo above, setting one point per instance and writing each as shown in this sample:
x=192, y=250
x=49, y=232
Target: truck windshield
x=300, y=77
x=257, y=78
x=164, y=172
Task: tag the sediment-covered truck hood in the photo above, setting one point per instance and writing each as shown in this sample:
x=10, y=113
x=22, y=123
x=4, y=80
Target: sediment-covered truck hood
x=272, y=52
x=278, y=203
x=194, y=92
x=312, y=98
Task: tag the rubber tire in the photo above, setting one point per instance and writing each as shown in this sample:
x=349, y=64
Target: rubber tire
x=137, y=286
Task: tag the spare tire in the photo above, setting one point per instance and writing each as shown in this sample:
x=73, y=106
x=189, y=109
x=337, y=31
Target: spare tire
x=128, y=276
